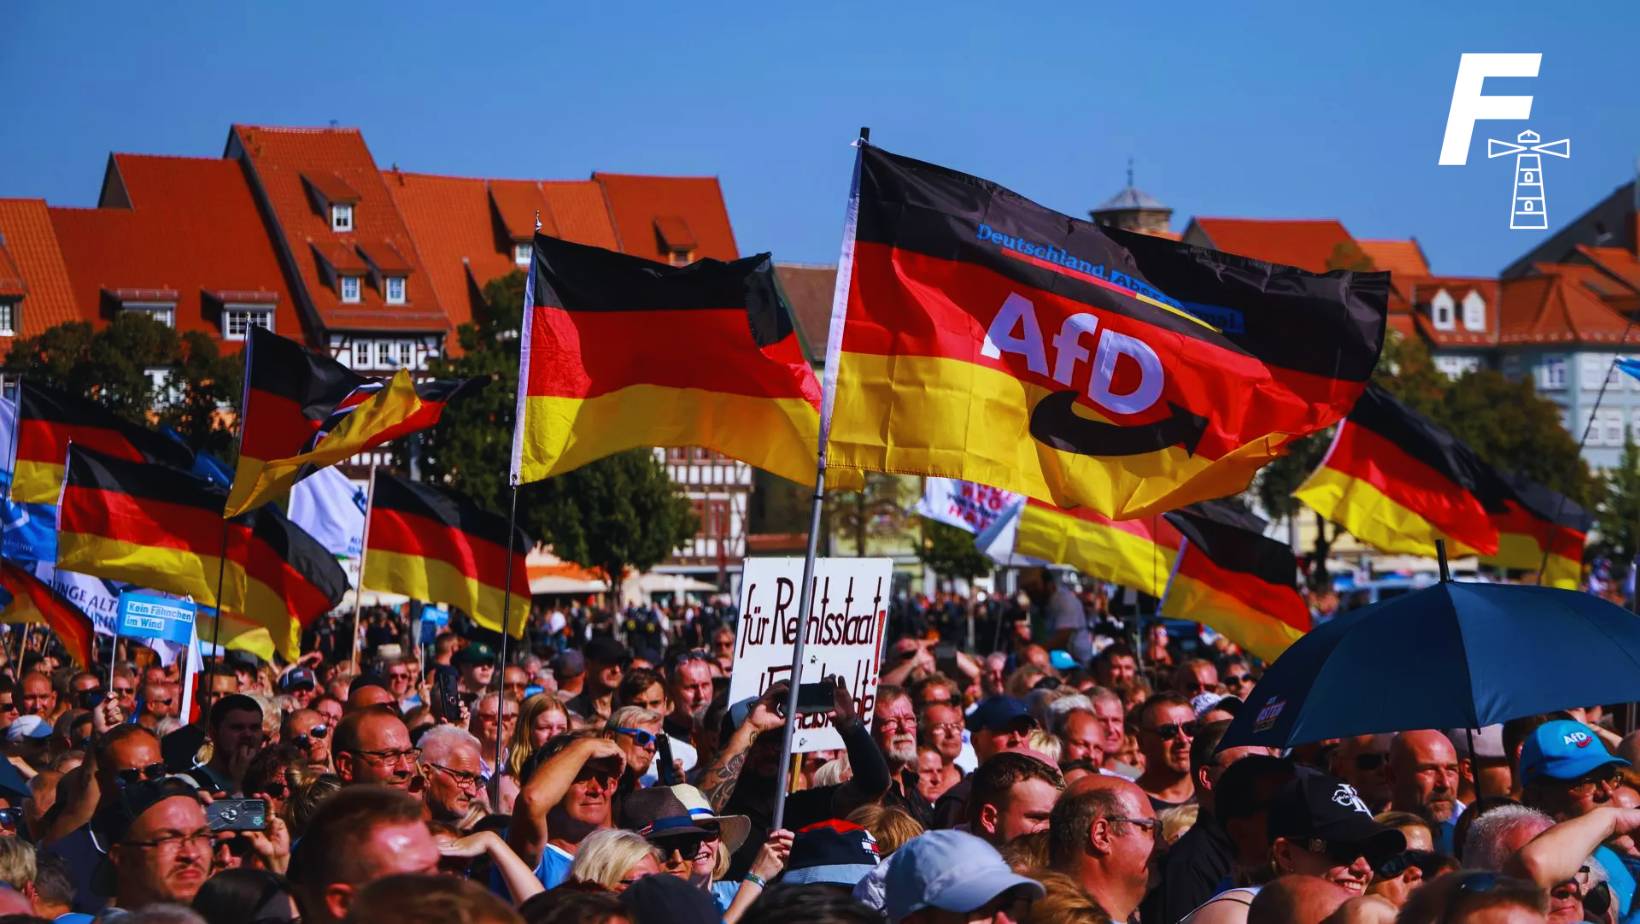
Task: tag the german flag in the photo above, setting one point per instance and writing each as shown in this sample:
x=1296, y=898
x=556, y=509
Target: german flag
x=1233, y=579
x=432, y=544
x=1398, y=481
x=160, y=527
x=987, y=338
x=1541, y=530
x=1133, y=553
x=33, y=600
x=303, y=412
x=48, y=420
x=619, y=352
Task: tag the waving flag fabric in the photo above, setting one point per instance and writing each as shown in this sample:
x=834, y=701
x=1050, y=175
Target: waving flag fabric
x=1398, y=481
x=1231, y=578
x=303, y=412
x=1541, y=529
x=33, y=600
x=1136, y=553
x=161, y=527
x=987, y=338
x=48, y=420
x=619, y=352
x=432, y=544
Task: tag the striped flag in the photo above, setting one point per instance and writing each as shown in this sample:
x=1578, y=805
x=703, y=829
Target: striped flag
x=1137, y=553
x=1541, y=530
x=1232, y=579
x=48, y=420
x=430, y=543
x=33, y=600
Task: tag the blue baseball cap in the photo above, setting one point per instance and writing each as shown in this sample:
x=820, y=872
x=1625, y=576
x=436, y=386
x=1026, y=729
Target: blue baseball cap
x=998, y=712
x=1563, y=750
x=1062, y=660
x=948, y=870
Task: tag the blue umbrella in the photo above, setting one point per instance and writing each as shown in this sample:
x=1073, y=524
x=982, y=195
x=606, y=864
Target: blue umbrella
x=1453, y=655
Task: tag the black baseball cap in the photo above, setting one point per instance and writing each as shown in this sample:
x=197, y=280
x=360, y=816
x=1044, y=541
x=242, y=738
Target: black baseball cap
x=1316, y=806
x=603, y=650
x=474, y=653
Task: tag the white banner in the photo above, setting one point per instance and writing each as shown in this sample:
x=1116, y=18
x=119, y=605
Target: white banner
x=846, y=621
x=95, y=597
x=331, y=509
x=963, y=504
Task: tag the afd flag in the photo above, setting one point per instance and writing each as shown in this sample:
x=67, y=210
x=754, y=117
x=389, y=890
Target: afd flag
x=331, y=509
x=28, y=532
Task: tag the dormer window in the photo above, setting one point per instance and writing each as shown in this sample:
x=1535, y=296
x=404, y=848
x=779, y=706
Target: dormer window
x=395, y=290
x=341, y=216
x=8, y=318
x=521, y=254
x=1441, y=311
x=237, y=320
x=350, y=289
x=1474, y=311
x=163, y=312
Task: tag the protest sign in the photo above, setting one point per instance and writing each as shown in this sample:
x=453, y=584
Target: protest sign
x=844, y=634
x=151, y=616
x=964, y=504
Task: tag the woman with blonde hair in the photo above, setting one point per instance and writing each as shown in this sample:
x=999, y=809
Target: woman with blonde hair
x=614, y=858
x=540, y=718
x=889, y=826
x=1065, y=903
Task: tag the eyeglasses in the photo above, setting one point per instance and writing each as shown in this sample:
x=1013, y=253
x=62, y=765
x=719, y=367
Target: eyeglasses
x=1147, y=825
x=135, y=775
x=8, y=707
x=1174, y=729
x=406, y=756
x=1236, y=680
x=639, y=737
x=465, y=779
x=1587, y=783
x=172, y=843
x=903, y=723
x=687, y=845
x=950, y=728
x=123, y=691
x=317, y=732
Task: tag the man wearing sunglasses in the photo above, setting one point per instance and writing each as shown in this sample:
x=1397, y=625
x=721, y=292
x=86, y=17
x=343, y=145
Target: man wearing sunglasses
x=123, y=756
x=1566, y=772
x=1363, y=762
x=637, y=731
x=1167, y=725
x=309, y=730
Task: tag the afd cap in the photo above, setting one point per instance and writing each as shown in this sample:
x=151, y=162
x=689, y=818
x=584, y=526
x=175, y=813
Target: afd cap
x=1563, y=750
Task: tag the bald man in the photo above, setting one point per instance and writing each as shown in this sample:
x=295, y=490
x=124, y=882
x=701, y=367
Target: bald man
x=1423, y=779
x=1102, y=833
x=1296, y=900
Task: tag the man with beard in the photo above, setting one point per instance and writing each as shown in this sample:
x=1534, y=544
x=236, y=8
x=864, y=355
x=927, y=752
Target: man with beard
x=565, y=797
x=743, y=777
x=1167, y=725
x=1363, y=762
x=373, y=746
x=159, y=844
x=689, y=690
x=235, y=730
x=450, y=765
x=1423, y=778
x=895, y=730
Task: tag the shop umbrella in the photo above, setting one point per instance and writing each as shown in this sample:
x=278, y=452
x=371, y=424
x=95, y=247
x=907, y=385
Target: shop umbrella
x=1453, y=655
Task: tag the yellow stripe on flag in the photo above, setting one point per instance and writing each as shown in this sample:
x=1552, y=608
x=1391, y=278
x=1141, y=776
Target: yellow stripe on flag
x=441, y=582
x=1369, y=514
x=1264, y=636
x=1108, y=552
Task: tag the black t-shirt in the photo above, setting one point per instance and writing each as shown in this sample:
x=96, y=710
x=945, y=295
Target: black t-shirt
x=1195, y=867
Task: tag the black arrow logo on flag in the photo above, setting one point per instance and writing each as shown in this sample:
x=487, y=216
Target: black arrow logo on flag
x=1055, y=422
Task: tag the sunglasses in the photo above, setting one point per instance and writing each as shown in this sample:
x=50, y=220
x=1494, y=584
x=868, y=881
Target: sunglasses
x=1236, y=680
x=1342, y=854
x=316, y=733
x=687, y=845
x=639, y=737
x=10, y=817
x=135, y=775
x=1174, y=729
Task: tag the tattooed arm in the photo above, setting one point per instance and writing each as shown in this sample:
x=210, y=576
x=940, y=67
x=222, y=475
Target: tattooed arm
x=718, y=782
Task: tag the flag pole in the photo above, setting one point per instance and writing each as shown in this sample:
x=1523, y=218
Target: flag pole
x=216, y=624
x=364, y=548
x=828, y=398
x=1560, y=505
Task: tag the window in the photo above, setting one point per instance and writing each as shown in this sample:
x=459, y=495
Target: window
x=238, y=321
x=521, y=254
x=680, y=257
x=386, y=355
x=395, y=290
x=407, y=354
x=8, y=319
x=1454, y=367
x=1635, y=427
x=163, y=312
x=341, y=217
x=1611, y=426
x=1440, y=310
x=350, y=288
x=1552, y=373
x=1474, y=312
x=1599, y=366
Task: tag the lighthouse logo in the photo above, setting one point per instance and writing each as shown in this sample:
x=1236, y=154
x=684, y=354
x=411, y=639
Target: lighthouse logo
x=1528, y=200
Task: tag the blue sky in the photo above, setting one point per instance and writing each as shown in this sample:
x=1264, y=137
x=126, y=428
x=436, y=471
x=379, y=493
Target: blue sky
x=1261, y=110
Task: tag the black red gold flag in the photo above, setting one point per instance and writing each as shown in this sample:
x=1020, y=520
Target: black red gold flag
x=987, y=338
x=1541, y=530
x=48, y=420
x=33, y=600
x=1233, y=579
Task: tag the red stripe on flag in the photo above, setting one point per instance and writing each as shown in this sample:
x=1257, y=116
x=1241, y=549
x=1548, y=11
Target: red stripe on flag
x=412, y=534
x=1363, y=454
x=1272, y=601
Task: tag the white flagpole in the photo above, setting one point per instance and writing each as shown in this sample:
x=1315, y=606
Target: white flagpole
x=839, y=313
x=364, y=547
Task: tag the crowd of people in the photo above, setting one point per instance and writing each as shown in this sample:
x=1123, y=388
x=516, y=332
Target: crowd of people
x=601, y=775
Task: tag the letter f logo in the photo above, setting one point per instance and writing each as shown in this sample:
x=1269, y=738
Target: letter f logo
x=1469, y=105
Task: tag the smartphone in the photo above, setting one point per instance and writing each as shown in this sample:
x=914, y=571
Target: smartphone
x=447, y=693
x=945, y=659
x=89, y=699
x=815, y=698
x=237, y=815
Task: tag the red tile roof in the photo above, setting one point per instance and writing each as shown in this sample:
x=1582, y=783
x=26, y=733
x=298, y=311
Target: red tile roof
x=1616, y=261
x=579, y=210
x=1608, y=287
x=31, y=252
x=331, y=188
x=1423, y=292
x=192, y=230
x=1306, y=244
x=1400, y=258
x=1554, y=309
x=517, y=203
x=278, y=159
x=340, y=257
x=809, y=290
x=639, y=203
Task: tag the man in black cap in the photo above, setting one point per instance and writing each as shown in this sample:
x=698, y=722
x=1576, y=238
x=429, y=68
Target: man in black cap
x=606, y=661
x=1318, y=826
x=159, y=844
x=477, y=665
x=300, y=685
x=569, y=672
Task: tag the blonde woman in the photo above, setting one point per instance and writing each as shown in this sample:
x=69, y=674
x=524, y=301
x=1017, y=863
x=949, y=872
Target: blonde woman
x=614, y=858
x=540, y=718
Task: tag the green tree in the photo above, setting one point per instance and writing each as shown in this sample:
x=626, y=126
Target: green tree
x=951, y=552
x=877, y=509
x=1620, y=506
x=621, y=511
x=112, y=367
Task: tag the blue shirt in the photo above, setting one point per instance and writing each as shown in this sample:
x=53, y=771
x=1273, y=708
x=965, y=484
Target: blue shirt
x=1621, y=880
x=554, y=867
